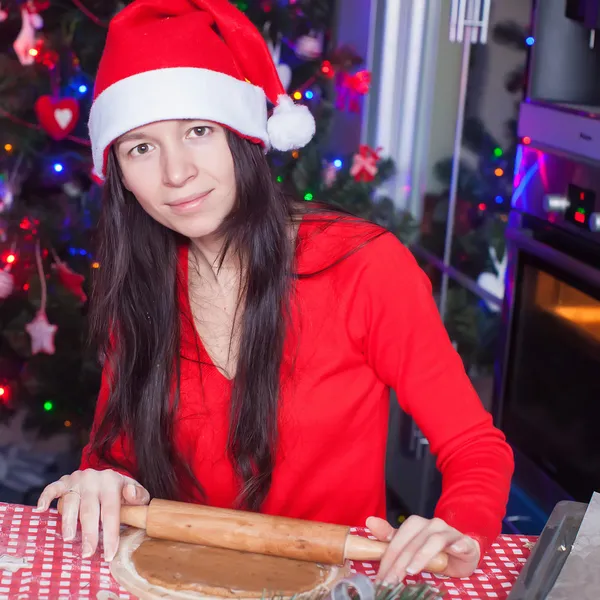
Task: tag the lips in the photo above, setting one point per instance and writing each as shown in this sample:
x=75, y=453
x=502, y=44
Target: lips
x=188, y=204
x=189, y=199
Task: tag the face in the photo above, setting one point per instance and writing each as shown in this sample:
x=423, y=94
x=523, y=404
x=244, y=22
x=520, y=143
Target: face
x=181, y=173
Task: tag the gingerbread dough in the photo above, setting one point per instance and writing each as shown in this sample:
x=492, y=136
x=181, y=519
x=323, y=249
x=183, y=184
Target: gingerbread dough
x=153, y=568
x=221, y=572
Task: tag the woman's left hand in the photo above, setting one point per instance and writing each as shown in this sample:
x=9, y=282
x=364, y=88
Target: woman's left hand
x=417, y=542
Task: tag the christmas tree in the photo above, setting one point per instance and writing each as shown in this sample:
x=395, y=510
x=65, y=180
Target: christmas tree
x=49, y=198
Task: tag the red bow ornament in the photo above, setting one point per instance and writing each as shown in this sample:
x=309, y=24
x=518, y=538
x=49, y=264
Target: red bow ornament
x=351, y=88
x=364, y=164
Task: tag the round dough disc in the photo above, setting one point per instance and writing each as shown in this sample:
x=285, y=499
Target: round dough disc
x=151, y=568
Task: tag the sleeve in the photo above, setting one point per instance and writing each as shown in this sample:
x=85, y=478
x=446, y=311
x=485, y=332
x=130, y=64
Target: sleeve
x=120, y=455
x=407, y=345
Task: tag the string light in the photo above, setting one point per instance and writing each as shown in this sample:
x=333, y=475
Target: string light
x=530, y=41
x=8, y=147
x=33, y=51
x=527, y=140
x=82, y=88
x=499, y=199
x=308, y=196
x=68, y=423
x=295, y=154
x=95, y=265
x=297, y=95
x=308, y=95
x=279, y=178
x=58, y=167
x=327, y=69
x=482, y=206
x=337, y=163
x=48, y=406
x=499, y=172
x=10, y=259
x=497, y=152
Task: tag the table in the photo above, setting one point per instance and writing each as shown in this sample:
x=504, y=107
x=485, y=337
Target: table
x=36, y=563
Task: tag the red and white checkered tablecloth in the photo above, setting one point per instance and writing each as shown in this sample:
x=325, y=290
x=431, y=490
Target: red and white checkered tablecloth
x=35, y=563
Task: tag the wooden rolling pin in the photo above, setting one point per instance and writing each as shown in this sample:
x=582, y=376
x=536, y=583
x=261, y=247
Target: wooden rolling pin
x=257, y=533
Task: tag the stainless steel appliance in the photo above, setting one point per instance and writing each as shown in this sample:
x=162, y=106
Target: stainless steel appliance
x=548, y=380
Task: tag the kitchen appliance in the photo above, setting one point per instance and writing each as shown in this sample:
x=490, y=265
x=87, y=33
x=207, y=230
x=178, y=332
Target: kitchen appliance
x=562, y=106
x=547, y=384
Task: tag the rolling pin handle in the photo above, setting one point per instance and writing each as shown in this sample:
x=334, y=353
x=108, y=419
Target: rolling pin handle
x=366, y=550
x=134, y=516
x=363, y=549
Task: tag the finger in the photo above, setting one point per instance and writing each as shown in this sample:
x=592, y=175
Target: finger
x=70, y=512
x=404, y=535
x=133, y=493
x=50, y=493
x=397, y=571
x=110, y=511
x=89, y=516
x=463, y=548
x=380, y=528
x=431, y=546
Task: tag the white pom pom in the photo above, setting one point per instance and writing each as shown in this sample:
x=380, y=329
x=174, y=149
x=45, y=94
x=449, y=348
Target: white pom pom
x=291, y=125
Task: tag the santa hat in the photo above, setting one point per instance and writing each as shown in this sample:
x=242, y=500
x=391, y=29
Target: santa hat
x=191, y=59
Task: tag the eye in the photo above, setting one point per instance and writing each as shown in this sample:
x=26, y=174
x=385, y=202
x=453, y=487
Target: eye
x=140, y=149
x=200, y=131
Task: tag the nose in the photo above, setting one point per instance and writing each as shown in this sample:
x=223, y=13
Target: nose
x=177, y=164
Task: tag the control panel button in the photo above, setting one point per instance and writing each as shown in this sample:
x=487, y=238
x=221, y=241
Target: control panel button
x=582, y=203
x=556, y=203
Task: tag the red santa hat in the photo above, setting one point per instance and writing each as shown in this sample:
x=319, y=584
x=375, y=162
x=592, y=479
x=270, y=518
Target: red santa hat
x=191, y=59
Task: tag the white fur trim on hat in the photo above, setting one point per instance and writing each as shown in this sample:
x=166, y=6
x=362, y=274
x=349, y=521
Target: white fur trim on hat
x=177, y=93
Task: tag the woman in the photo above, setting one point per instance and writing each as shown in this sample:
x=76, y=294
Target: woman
x=251, y=342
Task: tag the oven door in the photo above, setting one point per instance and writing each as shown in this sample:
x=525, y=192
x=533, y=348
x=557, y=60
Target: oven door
x=548, y=399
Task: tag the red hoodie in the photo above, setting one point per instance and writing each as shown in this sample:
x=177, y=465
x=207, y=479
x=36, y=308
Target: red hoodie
x=362, y=326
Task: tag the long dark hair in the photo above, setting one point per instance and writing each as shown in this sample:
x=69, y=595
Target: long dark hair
x=135, y=321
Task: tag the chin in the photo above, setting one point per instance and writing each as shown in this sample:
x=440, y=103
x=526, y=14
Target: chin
x=196, y=228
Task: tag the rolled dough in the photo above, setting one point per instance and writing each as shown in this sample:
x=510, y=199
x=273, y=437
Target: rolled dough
x=153, y=568
x=222, y=572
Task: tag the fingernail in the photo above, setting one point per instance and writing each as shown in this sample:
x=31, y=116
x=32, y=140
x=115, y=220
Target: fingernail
x=412, y=570
x=132, y=490
x=462, y=547
x=87, y=550
x=109, y=553
x=69, y=534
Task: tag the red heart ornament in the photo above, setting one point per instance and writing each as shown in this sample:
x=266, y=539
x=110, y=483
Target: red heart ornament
x=58, y=116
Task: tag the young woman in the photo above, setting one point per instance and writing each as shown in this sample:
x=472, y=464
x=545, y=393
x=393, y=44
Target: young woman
x=250, y=342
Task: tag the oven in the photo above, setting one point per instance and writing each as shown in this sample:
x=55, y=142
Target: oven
x=547, y=396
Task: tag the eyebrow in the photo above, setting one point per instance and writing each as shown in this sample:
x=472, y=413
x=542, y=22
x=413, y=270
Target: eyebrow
x=131, y=137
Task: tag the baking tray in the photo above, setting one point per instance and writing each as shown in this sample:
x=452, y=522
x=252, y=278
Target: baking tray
x=550, y=552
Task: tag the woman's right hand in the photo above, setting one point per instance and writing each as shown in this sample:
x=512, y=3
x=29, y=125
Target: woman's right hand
x=93, y=497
